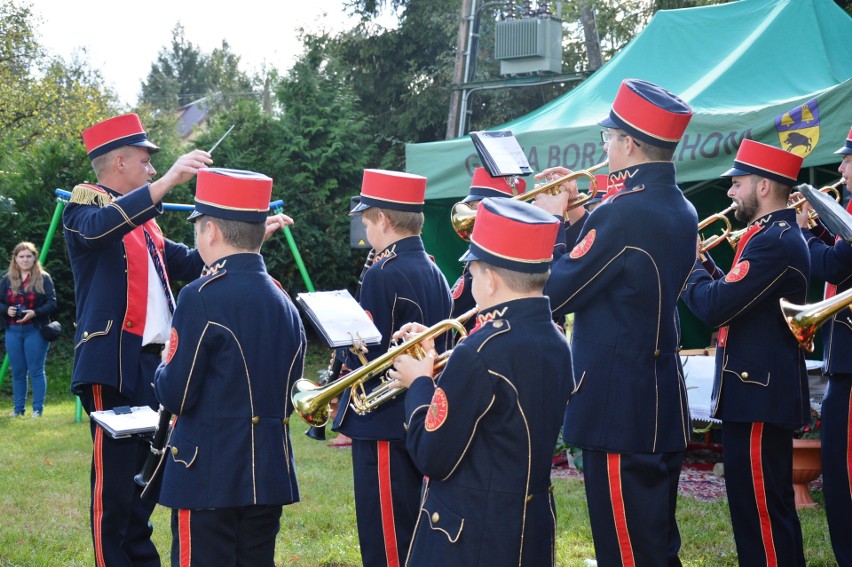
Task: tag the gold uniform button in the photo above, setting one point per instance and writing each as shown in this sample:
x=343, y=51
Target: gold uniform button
x=435, y=517
x=286, y=421
x=174, y=451
x=657, y=353
x=129, y=324
x=498, y=324
x=85, y=334
x=255, y=420
x=529, y=498
x=745, y=375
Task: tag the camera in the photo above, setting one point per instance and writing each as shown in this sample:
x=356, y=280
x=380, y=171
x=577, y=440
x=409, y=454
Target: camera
x=20, y=311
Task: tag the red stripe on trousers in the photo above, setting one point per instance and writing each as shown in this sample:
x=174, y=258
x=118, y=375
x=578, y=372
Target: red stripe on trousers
x=184, y=538
x=759, y=487
x=616, y=496
x=386, y=503
x=98, y=489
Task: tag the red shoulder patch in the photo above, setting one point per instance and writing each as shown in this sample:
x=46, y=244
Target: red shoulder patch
x=584, y=245
x=173, y=344
x=436, y=415
x=458, y=289
x=738, y=272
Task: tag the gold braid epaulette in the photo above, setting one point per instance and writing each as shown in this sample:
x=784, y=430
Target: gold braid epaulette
x=85, y=194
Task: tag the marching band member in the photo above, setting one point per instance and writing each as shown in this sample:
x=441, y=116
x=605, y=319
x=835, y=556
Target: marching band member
x=628, y=409
x=760, y=390
x=833, y=263
x=122, y=265
x=484, y=432
x=228, y=465
x=482, y=185
x=402, y=285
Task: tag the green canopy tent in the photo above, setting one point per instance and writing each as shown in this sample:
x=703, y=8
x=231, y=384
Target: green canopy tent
x=777, y=71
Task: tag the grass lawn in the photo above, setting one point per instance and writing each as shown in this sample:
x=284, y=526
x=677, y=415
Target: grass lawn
x=44, y=498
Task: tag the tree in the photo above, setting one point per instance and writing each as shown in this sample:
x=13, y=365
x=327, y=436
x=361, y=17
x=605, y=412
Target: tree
x=42, y=97
x=183, y=74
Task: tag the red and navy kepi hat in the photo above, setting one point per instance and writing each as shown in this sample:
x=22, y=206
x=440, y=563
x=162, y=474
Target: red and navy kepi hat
x=649, y=113
x=232, y=194
x=847, y=149
x=754, y=158
x=514, y=235
x=392, y=190
x=124, y=130
x=483, y=185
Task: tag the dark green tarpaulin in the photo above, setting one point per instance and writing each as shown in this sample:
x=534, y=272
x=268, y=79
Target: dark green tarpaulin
x=742, y=66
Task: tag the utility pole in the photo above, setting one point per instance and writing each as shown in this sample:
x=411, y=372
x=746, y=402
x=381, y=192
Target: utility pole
x=459, y=69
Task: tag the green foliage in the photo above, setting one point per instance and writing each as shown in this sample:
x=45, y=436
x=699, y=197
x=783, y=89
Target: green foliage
x=42, y=96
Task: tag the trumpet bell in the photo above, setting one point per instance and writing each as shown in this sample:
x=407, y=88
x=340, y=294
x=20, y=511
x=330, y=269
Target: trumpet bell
x=462, y=217
x=804, y=320
x=304, y=395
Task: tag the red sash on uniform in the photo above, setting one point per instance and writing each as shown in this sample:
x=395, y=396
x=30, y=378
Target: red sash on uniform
x=136, y=251
x=752, y=230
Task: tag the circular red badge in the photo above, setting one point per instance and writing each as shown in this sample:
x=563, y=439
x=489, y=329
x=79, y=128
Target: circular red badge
x=436, y=415
x=173, y=344
x=584, y=245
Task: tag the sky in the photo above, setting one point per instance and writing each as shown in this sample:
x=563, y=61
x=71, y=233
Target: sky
x=122, y=39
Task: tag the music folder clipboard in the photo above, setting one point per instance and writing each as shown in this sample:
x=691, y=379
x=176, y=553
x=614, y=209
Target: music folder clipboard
x=830, y=212
x=500, y=153
x=338, y=318
x=128, y=421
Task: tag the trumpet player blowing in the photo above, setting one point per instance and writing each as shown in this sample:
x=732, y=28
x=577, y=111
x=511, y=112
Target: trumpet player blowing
x=622, y=279
x=760, y=388
x=832, y=263
x=483, y=432
x=403, y=284
x=228, y=468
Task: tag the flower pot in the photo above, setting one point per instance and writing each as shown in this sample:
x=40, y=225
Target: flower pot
x=807, y=466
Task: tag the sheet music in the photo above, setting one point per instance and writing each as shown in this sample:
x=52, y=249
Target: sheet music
x=141, y=419
x=338, y=318
x=500, y=152
x=832, y=214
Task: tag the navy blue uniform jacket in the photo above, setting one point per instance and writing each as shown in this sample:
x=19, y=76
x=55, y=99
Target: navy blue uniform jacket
x=402, y=286
x=833, y=264
x=485, y=439
x=236, y=347
x=108, y=290
x=760, y=369
x=622, y=281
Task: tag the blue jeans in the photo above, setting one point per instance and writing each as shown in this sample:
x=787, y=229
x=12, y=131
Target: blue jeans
x=27, y=351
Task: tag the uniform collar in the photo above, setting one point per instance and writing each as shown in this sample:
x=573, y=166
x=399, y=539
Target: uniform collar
x=781, y=215
x=524, y=308
x=649, y=173
x=407, y=244
x=244, y=261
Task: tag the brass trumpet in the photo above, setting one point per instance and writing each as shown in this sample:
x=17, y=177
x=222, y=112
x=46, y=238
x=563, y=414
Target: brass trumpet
x=804, y=320
x=462, y=216
x=312, y=402
x=713, y=241
x=799, y=202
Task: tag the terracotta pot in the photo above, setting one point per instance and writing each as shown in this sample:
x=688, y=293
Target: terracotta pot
x=807, y=466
